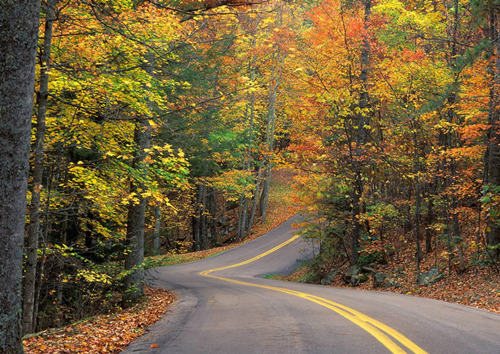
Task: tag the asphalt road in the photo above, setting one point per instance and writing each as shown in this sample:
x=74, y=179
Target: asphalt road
x=231, y=308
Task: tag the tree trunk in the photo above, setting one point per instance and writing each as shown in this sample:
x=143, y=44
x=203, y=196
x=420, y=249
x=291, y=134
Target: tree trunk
x=197, y=220
x=453, y=228
x=33, y=228
x=264, y=198
x=243, y=218
x=255, y=201
x=203, y=218
x=276, y=75
x=418, y=254
x=271, y=120
x=361, y=137
x=47, y=226
x=18, y=42
x=212, y=208
x=428, y=232
x=136, y=215
x=156, y=233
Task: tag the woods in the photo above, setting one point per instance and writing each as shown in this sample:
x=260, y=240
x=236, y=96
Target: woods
x=156, y=126
x=395, y=134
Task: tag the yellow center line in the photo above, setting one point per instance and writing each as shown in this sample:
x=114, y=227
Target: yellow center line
x=377, y=329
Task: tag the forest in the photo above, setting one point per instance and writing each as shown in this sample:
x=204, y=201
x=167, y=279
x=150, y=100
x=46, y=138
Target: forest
x=155, y=127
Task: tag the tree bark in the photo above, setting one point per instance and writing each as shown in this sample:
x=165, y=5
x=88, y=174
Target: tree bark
x=135, y=218
x=203, y=218
x=197, y=219
x=271, y=119
x=253, y=211
x=276, y=75
x=33, y=228
x=428, y=232
x=212, y=208
x=18, y=40
x=271, y=122
x=156, y=233
x=418, y=253
x=361, y=137
x=242, y=222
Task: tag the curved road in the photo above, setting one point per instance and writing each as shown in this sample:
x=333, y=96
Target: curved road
x=231, y=308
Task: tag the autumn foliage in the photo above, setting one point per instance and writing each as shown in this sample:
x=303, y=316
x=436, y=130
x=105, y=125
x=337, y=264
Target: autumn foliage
x=159, y=125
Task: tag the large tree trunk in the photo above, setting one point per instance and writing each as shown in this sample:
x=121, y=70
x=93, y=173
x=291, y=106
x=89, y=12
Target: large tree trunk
x=18, y=40
x=38, y=151
x=136, y=215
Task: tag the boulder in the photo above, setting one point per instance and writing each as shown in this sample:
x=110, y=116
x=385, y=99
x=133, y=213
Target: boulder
x=363, y=277
x=352, y=275
x=328, y=278
x=430, y=277
x=379, y=280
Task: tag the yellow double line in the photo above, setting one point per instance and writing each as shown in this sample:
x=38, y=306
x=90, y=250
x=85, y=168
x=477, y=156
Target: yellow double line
x=377, y=329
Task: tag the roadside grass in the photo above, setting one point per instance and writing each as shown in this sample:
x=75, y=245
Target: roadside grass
x=174, y=258
x=301, y=275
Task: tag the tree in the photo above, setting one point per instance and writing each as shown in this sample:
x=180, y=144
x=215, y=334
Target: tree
x=33, y=228
x=18, y=40
x=19, y=28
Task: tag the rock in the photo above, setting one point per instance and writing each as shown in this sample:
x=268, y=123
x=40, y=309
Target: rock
x=429, y=277
x=391, y=282
x=399, y=270
x=328, y=279
x=379, y=280
x=368, y=269
x=351, y=276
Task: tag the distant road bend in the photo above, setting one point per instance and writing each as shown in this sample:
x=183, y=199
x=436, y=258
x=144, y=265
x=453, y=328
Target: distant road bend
x=226, y=306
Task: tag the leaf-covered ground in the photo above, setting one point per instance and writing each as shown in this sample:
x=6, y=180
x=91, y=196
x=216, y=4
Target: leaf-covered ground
x=103, y=334
x=476, y=286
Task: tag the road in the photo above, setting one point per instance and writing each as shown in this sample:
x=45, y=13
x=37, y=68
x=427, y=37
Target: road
x=231, y=308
